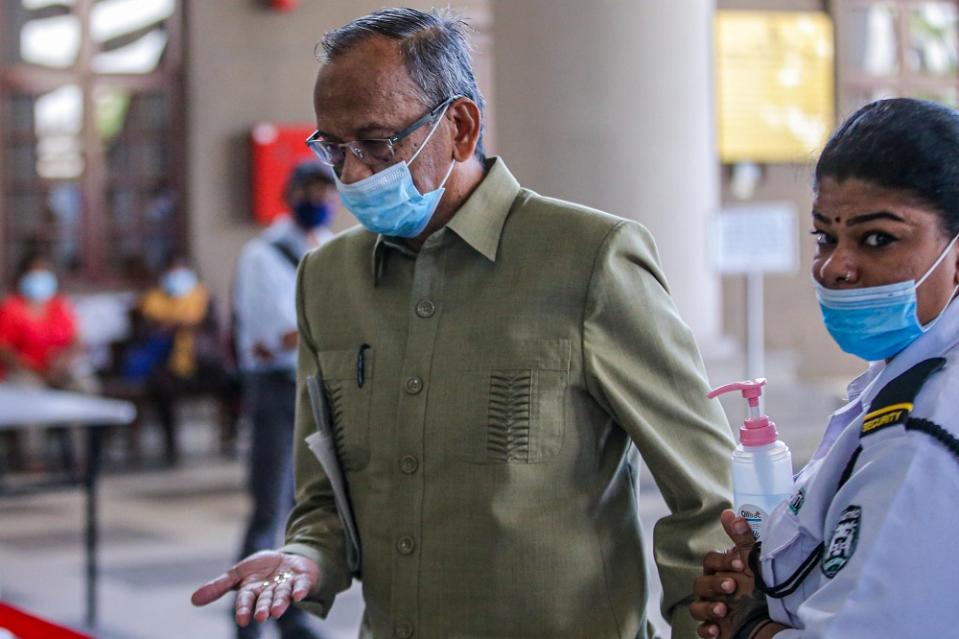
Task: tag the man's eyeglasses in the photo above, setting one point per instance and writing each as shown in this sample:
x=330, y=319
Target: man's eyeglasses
x=375, y=151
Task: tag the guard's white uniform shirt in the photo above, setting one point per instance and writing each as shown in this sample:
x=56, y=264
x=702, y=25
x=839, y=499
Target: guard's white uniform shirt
x=892, y=530
x=265, y=294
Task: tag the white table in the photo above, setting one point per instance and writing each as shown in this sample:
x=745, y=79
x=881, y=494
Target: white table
x=19, y=406
x=39, y=408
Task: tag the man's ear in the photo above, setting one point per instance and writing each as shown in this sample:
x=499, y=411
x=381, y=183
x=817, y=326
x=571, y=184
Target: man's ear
x=466, y=118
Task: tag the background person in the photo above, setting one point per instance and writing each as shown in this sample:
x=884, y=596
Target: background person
x=39, y=343
x=266, y=336
x=866, y=546
x=178, y=351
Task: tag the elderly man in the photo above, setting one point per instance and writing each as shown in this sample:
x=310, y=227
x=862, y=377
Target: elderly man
x=489, y=356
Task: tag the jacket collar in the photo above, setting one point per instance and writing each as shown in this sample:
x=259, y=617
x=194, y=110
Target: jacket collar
x=479, y=221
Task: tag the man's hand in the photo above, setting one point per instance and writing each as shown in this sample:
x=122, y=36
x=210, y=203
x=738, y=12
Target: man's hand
x=267, y=582
x=289, y=340
x=725, y=593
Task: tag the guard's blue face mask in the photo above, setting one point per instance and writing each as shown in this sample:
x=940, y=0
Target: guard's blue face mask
x=38, y=286
x=308, y=215
x=877, y=322
x=389, y=203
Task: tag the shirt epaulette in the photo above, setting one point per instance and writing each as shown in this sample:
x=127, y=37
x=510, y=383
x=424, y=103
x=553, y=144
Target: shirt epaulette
x=893, y=404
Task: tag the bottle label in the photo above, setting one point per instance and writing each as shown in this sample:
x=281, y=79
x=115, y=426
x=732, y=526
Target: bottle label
x=754, y=516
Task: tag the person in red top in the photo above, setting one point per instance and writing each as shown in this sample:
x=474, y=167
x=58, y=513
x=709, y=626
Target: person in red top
x=38, y=333
x=38, y=337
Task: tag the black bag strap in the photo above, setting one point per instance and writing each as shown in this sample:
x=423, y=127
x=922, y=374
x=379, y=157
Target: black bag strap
x=286, y=252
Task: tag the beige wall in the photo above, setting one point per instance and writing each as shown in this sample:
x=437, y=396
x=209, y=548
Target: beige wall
x=245, y=64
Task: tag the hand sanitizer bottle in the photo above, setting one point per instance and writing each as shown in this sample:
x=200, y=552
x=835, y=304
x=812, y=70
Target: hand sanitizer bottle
x=761, y=463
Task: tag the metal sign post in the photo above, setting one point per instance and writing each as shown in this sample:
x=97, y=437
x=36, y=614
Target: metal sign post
x=755, y=326
x=753, y=240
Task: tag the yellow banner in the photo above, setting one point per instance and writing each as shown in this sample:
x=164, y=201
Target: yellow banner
x=775, y=85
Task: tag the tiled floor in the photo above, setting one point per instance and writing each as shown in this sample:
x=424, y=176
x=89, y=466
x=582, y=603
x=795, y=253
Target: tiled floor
x=163, y=533
x=166, y=531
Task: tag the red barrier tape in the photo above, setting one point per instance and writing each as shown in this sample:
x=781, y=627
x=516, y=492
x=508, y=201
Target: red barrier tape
x=24, y=626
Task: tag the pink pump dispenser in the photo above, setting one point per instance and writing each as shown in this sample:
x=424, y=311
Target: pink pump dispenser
x=761, y=463
x=757, y=429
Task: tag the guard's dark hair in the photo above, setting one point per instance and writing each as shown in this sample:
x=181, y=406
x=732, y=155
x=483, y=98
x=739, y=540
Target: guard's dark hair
x=435, y=47
x=904, y=144
x=305, y=173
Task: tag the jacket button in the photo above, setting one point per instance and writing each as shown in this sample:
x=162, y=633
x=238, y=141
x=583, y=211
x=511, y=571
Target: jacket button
x=405, y=545
x=425, y=308
x=403, y=630
x=414, y=385
x=408, y=464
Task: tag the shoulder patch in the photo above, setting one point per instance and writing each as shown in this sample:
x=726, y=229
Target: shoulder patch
x=885, y=417
x=894, y=402
x=842, y=545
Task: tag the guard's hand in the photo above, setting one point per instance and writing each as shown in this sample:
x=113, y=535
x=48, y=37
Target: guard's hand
x=735, y=559
x=266, y=582
x=262, y=353
x=725, y=592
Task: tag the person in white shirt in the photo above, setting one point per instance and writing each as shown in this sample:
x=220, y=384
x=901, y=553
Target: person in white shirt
x=266, y=340
x=866, y=545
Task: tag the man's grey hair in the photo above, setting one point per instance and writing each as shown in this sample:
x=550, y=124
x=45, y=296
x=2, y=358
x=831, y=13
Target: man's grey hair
x=435, y=46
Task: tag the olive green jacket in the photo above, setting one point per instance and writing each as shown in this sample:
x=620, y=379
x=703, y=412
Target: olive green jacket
x=508, y=368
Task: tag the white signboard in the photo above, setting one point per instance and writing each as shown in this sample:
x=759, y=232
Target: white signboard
x=759, y=237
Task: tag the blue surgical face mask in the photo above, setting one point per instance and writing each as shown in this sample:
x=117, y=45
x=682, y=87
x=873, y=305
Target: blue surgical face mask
x=389, y=203
x=38, y=286
x=178, y=282
x=309, y=215
x=877, y=322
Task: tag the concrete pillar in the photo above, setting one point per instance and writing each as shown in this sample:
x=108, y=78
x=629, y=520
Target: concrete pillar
x=610, y=103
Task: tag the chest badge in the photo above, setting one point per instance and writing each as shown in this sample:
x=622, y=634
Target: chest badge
x=843, y=543
x=797, y=501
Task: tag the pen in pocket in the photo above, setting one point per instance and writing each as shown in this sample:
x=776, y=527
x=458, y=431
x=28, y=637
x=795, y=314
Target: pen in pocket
x=361, y=365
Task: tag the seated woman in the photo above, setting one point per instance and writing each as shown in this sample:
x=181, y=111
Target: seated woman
x=866, y=546
x=177, y=350
x=39, y=346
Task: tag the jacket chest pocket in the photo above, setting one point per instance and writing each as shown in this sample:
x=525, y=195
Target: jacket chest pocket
x=348, y=384
x=512, y=402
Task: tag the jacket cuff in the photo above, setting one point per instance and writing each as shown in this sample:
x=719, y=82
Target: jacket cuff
x=682, y=622
x=333, y=578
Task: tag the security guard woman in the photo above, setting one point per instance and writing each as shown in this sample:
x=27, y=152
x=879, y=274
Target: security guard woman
x=866, y=547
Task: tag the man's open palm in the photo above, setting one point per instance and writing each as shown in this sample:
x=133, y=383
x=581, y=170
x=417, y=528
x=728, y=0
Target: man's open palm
x=267, y=581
